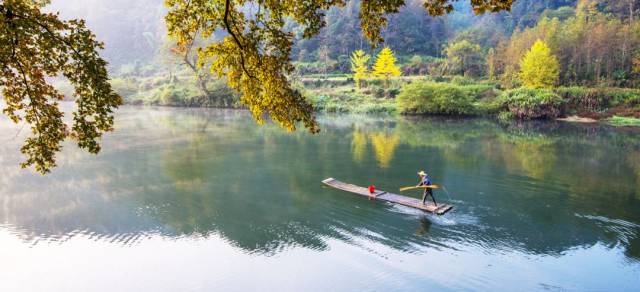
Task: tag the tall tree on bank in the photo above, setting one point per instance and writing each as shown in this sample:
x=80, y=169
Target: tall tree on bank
x=255, y=56
x=34, y=46
x=359, y=66
x=385, y=65
x=539, y=68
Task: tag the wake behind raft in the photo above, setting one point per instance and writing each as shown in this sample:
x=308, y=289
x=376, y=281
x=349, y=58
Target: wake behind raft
x=440, y=209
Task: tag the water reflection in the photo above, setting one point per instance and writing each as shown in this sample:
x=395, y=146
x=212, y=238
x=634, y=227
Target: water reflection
x=537, y=188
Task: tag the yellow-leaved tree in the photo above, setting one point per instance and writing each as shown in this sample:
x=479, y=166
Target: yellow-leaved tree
x=539, y=68
x=385, y=65
x=636, y=64
x=359, y=66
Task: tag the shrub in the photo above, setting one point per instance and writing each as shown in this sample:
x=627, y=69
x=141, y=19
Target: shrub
x=461, y=80
x=173, y=95
x=527, y=103
x=124, y=87
x=505, y=116
x=435, y=98
x=623, y=121
x=479, y=91
x=221, y=96
x=598, y=99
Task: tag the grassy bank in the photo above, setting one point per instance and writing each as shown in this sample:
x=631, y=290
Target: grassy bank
x=623, y=121
x=422, y=95
x=179, y=89
x=410, y=95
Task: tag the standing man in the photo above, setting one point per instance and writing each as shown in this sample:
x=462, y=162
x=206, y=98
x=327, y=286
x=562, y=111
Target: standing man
x=425, y=181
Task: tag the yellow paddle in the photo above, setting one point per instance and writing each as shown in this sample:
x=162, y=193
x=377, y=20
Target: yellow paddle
x=419, y=187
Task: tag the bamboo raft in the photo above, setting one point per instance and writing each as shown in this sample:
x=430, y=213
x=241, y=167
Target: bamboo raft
x=389, y=197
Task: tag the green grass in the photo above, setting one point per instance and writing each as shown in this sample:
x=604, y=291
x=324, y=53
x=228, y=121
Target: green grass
x=619, y=121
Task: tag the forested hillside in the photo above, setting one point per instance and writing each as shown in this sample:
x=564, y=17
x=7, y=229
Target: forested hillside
x=595, y=42
x=139, y=27
x=603, y=31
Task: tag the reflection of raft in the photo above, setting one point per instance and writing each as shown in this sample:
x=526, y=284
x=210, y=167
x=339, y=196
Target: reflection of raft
x=381, y=195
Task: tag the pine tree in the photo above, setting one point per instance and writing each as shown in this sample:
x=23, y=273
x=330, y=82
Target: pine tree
x=385, y=65
x=359, y=66
x=539, y=68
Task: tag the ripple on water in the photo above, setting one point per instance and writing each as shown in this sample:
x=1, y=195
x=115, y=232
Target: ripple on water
x=451, y=218
x=34, y=239
x=625, y=231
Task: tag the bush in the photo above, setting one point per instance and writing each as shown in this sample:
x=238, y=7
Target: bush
x=461, y=80
x=435, y=98
x=598, y=99
x=173, y=95
x=220, y=95
x=505, y=116
x=527, y=103
x=623, y=121
x=125, y=87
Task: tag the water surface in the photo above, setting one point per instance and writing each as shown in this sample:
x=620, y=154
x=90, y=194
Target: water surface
x=201, y=200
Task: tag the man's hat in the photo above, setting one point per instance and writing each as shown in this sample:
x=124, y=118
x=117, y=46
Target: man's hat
x=422, y=173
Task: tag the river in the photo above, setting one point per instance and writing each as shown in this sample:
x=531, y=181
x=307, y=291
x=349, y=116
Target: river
x=204, y=199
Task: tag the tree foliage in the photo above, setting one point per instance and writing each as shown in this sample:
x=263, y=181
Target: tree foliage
x=592, y=47
x=385, y=65
x=359, y=66
x=464, y=57
x=539, y=68
x=255, y=56
x=34, y=46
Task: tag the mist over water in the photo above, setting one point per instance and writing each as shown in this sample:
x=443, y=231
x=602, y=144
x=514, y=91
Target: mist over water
x=203, y=199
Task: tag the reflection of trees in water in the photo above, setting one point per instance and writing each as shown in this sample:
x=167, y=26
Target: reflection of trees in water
x=531, y=153
x=384, y=146
x=259, y=187
x=575, y=169
x=359, y=145
x=634, y=160
x=534, y=152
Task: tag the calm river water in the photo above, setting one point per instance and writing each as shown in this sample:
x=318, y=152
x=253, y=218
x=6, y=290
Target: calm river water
x=205, y=200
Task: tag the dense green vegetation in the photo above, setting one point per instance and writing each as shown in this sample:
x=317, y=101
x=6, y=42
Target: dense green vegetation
x=595, y=44
x=463, y=66
x=443, y=98
x=575, y=57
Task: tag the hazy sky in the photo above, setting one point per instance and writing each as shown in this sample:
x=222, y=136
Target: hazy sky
x=129, y=28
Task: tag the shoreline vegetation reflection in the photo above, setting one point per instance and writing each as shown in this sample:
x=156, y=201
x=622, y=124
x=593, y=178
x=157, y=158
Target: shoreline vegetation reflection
x=540, y=188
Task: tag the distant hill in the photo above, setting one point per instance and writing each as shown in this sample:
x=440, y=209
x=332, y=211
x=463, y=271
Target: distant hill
x=133, y=30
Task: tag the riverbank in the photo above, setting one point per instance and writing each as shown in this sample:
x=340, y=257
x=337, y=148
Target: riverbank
x=422, y=95
x=407, y=95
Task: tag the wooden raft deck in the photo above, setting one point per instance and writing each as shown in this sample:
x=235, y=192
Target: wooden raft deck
x=385, y=196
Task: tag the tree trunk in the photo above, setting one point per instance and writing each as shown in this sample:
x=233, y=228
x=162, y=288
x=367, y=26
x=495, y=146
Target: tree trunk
x=201, y=80
x=631, y=12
